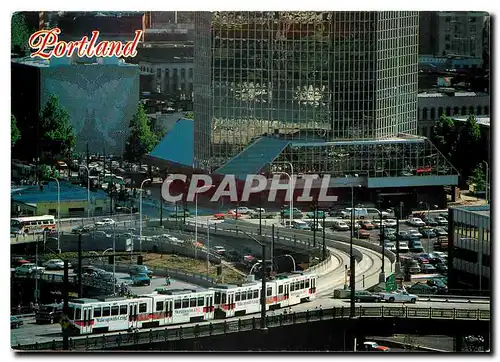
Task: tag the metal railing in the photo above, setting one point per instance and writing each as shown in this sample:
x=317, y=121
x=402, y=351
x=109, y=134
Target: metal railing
x=220, y=327
x=104, y=285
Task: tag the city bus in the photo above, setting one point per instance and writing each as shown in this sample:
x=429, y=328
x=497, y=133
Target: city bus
x=32, y=224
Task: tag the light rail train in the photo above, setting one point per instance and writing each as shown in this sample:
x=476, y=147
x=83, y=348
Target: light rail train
x=179, y=306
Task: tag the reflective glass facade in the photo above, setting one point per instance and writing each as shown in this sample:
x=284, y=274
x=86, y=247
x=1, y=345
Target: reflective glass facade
x=321, y=76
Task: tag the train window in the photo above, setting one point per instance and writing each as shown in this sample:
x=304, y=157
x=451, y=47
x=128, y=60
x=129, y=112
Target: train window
x=105, y=311
x=255, y=294
x=114, y=310
x=97, y=312
x=123, y=309
x=159, y=306
x=292, y=287
x=249, y=294
x=280, y=289
x=297, y=285
x=269, y=292
x=237, y=297
x=223, y=298
x=78, y=315
x=177, y=304
x=307, y=283
x=217, y=297
x=185, y=303
x=143, y=308
x=302, y=285
x=201, y=302
x=243, y=296
x=192, y=302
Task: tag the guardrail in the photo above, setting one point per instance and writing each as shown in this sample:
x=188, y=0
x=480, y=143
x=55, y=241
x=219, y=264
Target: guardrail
x=219, y=327
x=104, y=285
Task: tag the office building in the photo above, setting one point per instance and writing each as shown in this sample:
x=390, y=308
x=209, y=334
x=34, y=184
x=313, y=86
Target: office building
x=469, y=256
x=101, y=96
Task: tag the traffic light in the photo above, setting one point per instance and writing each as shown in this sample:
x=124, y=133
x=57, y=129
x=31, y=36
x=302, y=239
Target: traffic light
x=219, y=270
x=111, y=259
x=139, y=260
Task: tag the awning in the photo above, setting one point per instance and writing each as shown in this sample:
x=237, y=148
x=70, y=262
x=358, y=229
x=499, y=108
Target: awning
x=253, y=158
x=178, y=144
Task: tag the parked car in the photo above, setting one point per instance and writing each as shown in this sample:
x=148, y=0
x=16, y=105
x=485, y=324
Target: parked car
x=441, y=221
x=441, y=268
x=180, y=214
x=29, y=269
x=141, y=279
x=414, y=234
x=439, y=231
x=297, y=214
x=108, y=221
x=363, y=234
x=389, y=245
x=427, y=232
x=403, y=247
x=316, y=226
x=300, y=225
x=80, y=230
x=421, y=260
x=422, y=289
x=16, y=261
x=440, y=254
x=415, y=221
x=366, y=224
x=50, y=313
x=55, y=264
x=365, y=296
x=319, y=214
x=431, y=222
x=404, y=235
x=140, y=269
x=416, y=246
x=391, y=223
x=442, y=288
x=15, y=322
x=242, y=210
x=370, y=346
x=412, y=266
x=427, y=269
x=399, y=296
x=340, y=225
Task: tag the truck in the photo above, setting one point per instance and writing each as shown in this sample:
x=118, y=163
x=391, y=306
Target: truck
x=399, y=295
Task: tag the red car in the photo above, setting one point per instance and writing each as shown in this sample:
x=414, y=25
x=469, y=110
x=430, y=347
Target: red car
x=371, y=346
x=233, y=214
x=363, y=234
x=219, y=216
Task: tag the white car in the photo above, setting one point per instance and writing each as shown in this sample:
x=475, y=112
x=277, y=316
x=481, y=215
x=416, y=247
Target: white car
x=340, y=225
x=54, y=264
x=242, y=210
x=29, y=268
x=415, y=233
x=219, y=250
x=108, y=221
x=416, y=221
x=390, y=246
x=390, y=223
x=403, y=247
x=441, y=220
x=399, y=296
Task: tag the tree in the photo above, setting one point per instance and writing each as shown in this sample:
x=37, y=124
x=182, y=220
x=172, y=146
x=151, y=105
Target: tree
x=189, y=115
x=142, y=139
x=56, y=133
x=19, y=33
x=15, y=134
x=478, y=178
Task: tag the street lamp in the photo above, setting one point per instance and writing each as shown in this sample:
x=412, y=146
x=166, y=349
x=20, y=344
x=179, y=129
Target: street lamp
x=58, y=214
x=428, y=220
x=140, y=213
x=352, y=278
x=200, y=189
x=381, y=278
x=263, y=290
x=88, y=191
x=290, y=190
x=487, y=182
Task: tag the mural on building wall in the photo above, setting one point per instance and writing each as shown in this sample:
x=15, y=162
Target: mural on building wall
x=101, y=100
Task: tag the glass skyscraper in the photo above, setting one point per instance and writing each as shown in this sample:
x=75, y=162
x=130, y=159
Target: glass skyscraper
x=340, y=87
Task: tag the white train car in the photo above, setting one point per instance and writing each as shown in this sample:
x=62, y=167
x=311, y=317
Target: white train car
x=236, y=300
x=174, y=306
x=294, y=288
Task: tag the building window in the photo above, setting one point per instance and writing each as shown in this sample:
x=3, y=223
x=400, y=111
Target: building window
x=448, y=19
x=447, y=38
x=433, y=114
x=478, y=110
x=486, y=110
x=190, y=72
x=440, y=111
x=456, y=111
x=464, y=111
x=52, y=211
x=158, y=73
x=424, y=114
x=471, y=110
x=472, y=20
x=72, y=210
x=447, y=46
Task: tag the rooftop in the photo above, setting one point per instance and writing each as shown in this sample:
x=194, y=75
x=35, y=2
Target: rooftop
x=475, y=209
x=452, y=93
x=68, y=192
x=42, y=63
x=482, y=120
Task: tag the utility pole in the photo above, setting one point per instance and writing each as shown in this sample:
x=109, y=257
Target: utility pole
x=272, y=246
x=324, y=242
x=65, y=305
x=398, y=218
x=161, y=210
x=314, y=225
x=382, y=271
x=80, y=285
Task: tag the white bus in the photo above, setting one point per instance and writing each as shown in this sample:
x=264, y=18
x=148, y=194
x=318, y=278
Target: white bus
x=32, y=224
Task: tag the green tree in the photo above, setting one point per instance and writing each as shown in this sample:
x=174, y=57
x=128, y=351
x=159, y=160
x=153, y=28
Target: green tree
x=445, y=136
x=189, y=115
x=478, y=178
x=57, y=135
x=19, y=33
x=142, y=139
x=15, y=134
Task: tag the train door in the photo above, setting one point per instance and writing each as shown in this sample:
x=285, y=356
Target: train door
x=230, y=304
x=133, y=309
x=209, y=309
x=87, y=320
x=169, y=311
x=313, y=286
x=286, y=293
